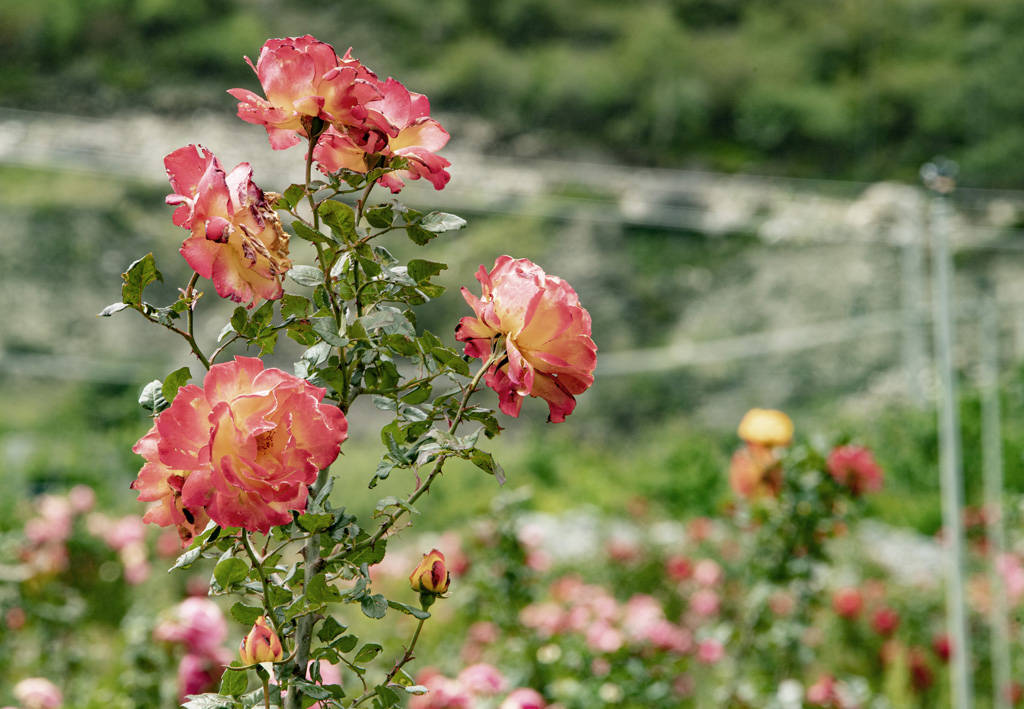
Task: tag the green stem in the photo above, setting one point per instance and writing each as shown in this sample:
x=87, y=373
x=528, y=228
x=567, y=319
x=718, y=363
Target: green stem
x=304, y=628
x=266, y=692
x=438, y=466
x=258, y=565
x=405, y=659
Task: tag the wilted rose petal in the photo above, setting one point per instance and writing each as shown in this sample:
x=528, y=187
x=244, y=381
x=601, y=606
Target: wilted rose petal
x=237, y=240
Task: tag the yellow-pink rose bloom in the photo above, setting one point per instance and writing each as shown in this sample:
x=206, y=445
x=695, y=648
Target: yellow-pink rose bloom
x=548, y=349
x=261, y=644
x=303, y=79
x=237, y=240
x=241, y=450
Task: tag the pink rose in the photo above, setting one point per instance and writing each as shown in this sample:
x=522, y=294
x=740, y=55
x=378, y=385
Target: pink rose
x=82, y=498
x=855, y=467
x=38, y=693
x=482, y=679
x=198, y=674
x=754, y=472
x=197, y=623
x=548, y=350
x=442, y=693
x=243, y=449
x=885, y=621
x=823, y=692
x=704, y=602
x=237, y=240
x=847, y=602
x=417, y=140
x=523, y=698
x=707, y=572
x=303, y=79
x=710, y=651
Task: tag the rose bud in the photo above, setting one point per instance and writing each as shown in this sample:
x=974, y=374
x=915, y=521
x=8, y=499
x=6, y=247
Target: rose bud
x=261, y=644
x=431, y=577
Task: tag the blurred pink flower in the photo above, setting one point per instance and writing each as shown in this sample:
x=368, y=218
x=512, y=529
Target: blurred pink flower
x=198, y=674
x=670, y=637
x=704, y=602
x=707, y=572
x=197, y=623
x=885, y=621
x=482, y=679
x=523, y=698
x=82, y=498
x=602, y=637
x=15, y=618
x=847, y=602
x=710, y=651
x=442, y=692
x=823, y=692
x=678, y=568
x=38, y=693
x=855, y=467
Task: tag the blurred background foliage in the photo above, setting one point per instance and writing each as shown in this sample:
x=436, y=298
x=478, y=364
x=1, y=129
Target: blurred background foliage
x=850, y=89
x=861, y=89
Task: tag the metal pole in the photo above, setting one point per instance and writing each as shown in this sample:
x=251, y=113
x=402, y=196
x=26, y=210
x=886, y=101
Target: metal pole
x=951, y=475
x=992, y=458
x=912, y=272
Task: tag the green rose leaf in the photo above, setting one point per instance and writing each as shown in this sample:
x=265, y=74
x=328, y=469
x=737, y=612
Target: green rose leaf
x=174, y=381
x=380, y=216
x=246, y=615
x=440, y=222
x=486, y=462
x=319, y=591
x=374, y=606
x=315, y=522
x=306, y=276
x=307, y=234
x=330, y=629
x=367, y=652
x=415, y=612
x=327, y=328
x=111, y=309
x=421, y=270
x=187, y=558
x=388, y=697
x=340, y=218
x=209, y=701
x=294, y=306
x=230, y=571
x=152, y=398
x=233, y=682
x=139, y=275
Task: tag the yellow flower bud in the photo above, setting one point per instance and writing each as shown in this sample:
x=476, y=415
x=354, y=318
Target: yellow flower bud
x=261, y=644
x=431, y=576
